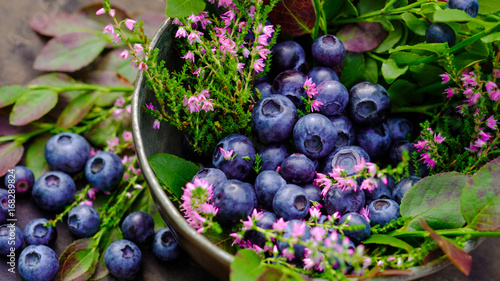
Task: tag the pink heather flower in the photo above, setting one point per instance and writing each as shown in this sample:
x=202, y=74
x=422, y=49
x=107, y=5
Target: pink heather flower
x=247, y=225
x=228, y=155
x=310, y=88
x=268, y=30
x=116, y=39
x=280, y=225
x=101, y=11
x=192, y=103
x=126, y=159
x=246, y=53
x=181, y=33
x=109, y=29
x=365, y=213
x=485, y=136
x=474, y=98
x=258, y=65
x=317, y=233
x=391, y=259
x=438, y=138
x=490, y=86
x=263, y=52
x=491, y=123
x=494, y=95
x=338, y=170
x=117, y=114
x=87, y=202
x=251, y=11
x=262, y=40
x=203, y=19
x=445, y=77
x=360, y=166
x=431, y=163
x=93, y=151
x=138, y=48
x=156, y=125
x=207, y=106
x=384, y=180
x=449, y=92
x=124, y=54
x=316, y=105
x=314, y=212
x=371, y=168
x=479, y=143
x=120, y=102
x=194, y=36
x=112, y=143
x=227, y=17
x=138, y=186
x=288, y=253
x=496, y=73
x=256, y=215
x=130, y=23
x=421, y=144
x=92, y=192
x=368, y=184
x=128, y=109
x=127, y=136
x=240, y=67
x=347, y=184
x=197, y=72
x=112, y=13
x=150, y=106
x=142, y=66
x=189, y=56
x=237, y=238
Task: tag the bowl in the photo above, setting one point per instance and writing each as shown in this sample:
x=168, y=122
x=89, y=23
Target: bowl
x=149, y=141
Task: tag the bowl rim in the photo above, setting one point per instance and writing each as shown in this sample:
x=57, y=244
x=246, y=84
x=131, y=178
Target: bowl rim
x=180, y=225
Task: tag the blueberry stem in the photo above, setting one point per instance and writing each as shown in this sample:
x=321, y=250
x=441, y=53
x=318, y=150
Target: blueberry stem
x=375, y=57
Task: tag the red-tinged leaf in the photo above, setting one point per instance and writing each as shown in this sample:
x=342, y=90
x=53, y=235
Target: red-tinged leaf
x=35, y=158
x=10, y=155
x=77, y=246
x=76, y=110
x=296, y=17
x=61, y=23
x=106, y=78
x=70, y=52
x=113, y=62
x=458, y=257
x=32, y=106
x=361, y=37
x=9, y=94
x=90, y=10
x=151, y=22
x=58, y=79
x=79, y=265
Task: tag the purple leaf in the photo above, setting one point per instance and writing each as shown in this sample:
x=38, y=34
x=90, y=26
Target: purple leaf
x=361, y=37
x=58, y=79
x=89, y=12
x=69, y=52
x=32, y=106
x=61, y=23
x=296, y=17
x=11, y=154
x=113, y=62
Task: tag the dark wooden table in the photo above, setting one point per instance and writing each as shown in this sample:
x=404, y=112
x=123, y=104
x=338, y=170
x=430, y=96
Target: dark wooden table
x=18, y=48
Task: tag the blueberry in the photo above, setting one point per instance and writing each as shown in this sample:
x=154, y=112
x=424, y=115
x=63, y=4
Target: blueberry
x=288, y=55
x=314, y=135
x=212, y=175
x=11, y=236
x=4, y=206
x=266, y=185
x=22, y=179
x=123, y=259
x=343, y=201
x=346, y=135
x=83, y=221
x=471, y=7
x=272, y=155
x=440, y=32
x=290, y=83
x=402, y=187
x=235, y=200
x=375, y=140
x=266, y=222
x=265, y=89
x=401, y=128
x=54, y=190
x=328, y=50
x=38, y=263
x=356, y=219
x=35, y=233
x=346, y=157
x=297, y=169
x=369, y=104
x=334, y=97
x=138, y=227
x=320, y=74
x=104, y=171
x=67, y=152
x=382, y=211
x=165, y=246
x=381, y=192
x=273, y=118
x=313, y=192
x=291, y=202
x=235, y=167
x=298, y=249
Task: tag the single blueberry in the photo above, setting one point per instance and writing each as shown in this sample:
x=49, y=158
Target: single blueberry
x=123, y=259
x=11, y=237
x=328, y=50
x=165, y=246
x=83, y=221
x=321, y=74
x=272, y=155
x=235, y=200
x=369, y=104
x=356, y=219
x=291, y=228
x=273, y=118
x=290, y=83
x=288, y=55
x=104, y=171
x=291, y=202
x=36, y=233
x=266, y=222
x=333, y=96
x=346, y=135
x=297, y=169
x=343, y=201
x=471, y=7
x=401, y=128
x=382, y=191
x=4, y=205
x=212, y=175
x=346, y=157
x=67, y=152
x=22, y=179
x=382, y=211
x=314, y=135
x=264, y=88
x=440, y=32
x=402, y=187
x=138, y=227
x=313, y=192
x=38, y=263
x=239, y=164
x=53, y=191
x=375, y=140
x=266, y=185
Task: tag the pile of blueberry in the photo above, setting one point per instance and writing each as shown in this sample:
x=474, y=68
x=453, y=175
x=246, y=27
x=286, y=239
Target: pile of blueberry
x=349, y=127
x=67, y=155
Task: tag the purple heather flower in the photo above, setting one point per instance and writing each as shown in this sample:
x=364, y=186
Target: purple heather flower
x=491, y=123
x=156, y=125
x=490, y=86
x=445, y=77
x=130, y=23
x=438, y=138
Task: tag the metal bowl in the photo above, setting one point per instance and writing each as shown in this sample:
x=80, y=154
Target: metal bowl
x=168, y=140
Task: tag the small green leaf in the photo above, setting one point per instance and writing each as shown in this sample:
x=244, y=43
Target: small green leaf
x=391, y=71
x=332, y=8
x=367, y=6
x=437, y=48
x=493, y=37
x=488, y=7
x=58, y=79
x=481, y=198
x=79, y=265
x=9, y=94
x=426, y=74
x=414, y=24
x=174, y=172
x=100, y=133
x=437, y=200
x=403, y=58
x=76, y=110
x=32, y=106
x=245, y=266
x=465, y=60
x=371, y=70
x=348, y=9
x=353, y=70
x=450, y=15
x=391, y=40
x=10, y=154
x=35, y=158
x=429, y=8
x=402, y=94
x=183, y=8
x=383, y=239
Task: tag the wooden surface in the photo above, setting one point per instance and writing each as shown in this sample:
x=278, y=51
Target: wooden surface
x=18, y=48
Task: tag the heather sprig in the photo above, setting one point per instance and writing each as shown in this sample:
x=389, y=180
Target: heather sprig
x=198, y=210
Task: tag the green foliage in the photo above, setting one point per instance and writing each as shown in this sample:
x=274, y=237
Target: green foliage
x=183, y=8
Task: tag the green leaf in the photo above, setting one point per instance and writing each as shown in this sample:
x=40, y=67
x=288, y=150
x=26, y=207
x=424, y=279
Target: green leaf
x=488, y=7
x=383, y=239
x=353, y=69
x=296, y=17
x=391, y=40
x=403, y=58
x=450, y=15
x=59, y=24
x=174, y=172
x=426, y=74
x=332, y=8
x=58, y=79
x=402, y=94
x=9, y=94
x=100, y=133
x=124, y=70
x=436, y=199
x=70, y=52
x=76, y=110
x=145, y=203
x=391, y=71
x=371, y=70
x=348, y=9
x=10, y=154
x=465, y=60
x=481, y=198
x=493, y=37
x=79, y=265
x=366, y=6
x=245, y=266
x=429, y=8
x=414, y=24
x=35, y=158
x=183, y=8
x=437, y=48
x=109, y=237
x=76, y=246
x=32, y=106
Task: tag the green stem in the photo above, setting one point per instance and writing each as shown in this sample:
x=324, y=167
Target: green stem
x=375, y=57
x=419, y=109
x=82, y=87
x=443, y=232
x=22, y=138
